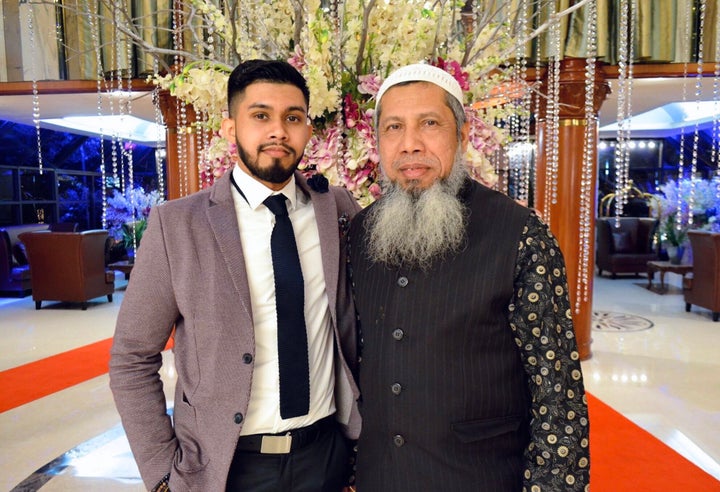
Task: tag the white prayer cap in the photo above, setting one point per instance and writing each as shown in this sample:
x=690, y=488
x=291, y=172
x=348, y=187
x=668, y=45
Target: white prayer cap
x=421, y=72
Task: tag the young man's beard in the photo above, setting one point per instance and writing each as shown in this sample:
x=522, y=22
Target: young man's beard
x=413, y=228
x=275, y=172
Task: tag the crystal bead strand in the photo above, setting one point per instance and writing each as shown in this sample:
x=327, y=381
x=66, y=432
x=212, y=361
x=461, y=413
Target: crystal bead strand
x=553, y=111
x=513, y=170
x=159, y=153
x=620, y=164
x=698, y=95
x=336, y=63
x=715, y=148
x=35, y=92
x=536, y=111
x=632, y=23
x=337, y=14
x=128, y=111
x=182, y=133
x=715, y=151
x=681, y=160
x=587, y=183
x=204, y=146
x=203, y=48
x=205, y=166
x=99, y=79
x=180, y=107
x=118, y=175
x=525, y=110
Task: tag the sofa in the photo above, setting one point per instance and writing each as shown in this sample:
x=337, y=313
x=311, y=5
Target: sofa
x=702, y=287
x=68, y=266
x=625, y=245
x=14, y=269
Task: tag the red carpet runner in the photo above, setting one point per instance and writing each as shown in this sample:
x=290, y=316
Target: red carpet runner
x=624, y=457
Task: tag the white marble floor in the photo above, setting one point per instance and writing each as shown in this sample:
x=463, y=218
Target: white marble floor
x=664, y=375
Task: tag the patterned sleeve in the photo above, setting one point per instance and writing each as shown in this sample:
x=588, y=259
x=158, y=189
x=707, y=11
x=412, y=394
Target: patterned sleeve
x=558, y=456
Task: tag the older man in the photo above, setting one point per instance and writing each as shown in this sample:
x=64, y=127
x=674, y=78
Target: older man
x=469, y=372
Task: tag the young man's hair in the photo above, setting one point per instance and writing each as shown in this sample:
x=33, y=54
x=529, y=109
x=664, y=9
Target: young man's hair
x=272, y=71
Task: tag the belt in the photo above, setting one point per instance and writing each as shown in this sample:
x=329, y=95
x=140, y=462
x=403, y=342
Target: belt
x=286, y=442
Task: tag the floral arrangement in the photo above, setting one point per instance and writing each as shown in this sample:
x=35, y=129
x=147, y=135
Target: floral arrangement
x=127, y=212
x=345, y=48
x=686, y=204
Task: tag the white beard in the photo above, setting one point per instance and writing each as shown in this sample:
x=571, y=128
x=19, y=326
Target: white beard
x=413, y=228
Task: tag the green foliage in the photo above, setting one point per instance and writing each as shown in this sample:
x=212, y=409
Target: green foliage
x=132, y=233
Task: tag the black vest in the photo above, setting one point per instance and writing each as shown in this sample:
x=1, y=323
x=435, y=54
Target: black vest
x=445, y=400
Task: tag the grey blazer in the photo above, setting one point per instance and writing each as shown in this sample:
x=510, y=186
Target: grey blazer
x=190, y=275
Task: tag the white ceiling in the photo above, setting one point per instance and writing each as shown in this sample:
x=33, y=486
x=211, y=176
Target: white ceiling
x=647, y=94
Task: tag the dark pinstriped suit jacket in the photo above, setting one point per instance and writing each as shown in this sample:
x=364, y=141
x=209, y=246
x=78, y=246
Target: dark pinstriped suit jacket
x=445, y=398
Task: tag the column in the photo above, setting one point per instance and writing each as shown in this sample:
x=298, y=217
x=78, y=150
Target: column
x=565, y=214
x=182, y=147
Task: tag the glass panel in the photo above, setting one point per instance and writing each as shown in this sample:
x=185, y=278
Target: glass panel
x=73, y=187
x=33, y=213
x=74, y=199
x=35, y=186
x=7, y=184
x=8, y=215
x=75, y=212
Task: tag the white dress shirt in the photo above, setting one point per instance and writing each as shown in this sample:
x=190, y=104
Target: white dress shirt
x=256, y=223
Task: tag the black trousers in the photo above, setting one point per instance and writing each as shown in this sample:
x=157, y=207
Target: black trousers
x=320, y=466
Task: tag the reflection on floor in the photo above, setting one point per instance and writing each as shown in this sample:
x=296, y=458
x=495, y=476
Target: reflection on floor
x=652, y=361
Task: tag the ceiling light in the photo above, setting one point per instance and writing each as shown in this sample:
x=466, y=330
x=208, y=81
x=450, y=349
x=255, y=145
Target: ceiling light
x=125, y=127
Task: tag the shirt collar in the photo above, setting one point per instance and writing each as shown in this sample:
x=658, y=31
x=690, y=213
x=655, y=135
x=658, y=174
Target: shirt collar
x=255, y=192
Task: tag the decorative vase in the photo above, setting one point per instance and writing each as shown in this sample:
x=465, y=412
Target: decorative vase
x=675, y=254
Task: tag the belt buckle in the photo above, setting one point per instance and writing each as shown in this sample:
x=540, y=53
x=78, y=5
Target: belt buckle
x=276, y=444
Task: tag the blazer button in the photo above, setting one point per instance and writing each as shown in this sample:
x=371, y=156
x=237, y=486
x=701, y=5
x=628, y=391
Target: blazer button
x=396, y=388
x=402, y=281
x=398, y=334
x=398, y=441
x=247, y=358
x=238, y=418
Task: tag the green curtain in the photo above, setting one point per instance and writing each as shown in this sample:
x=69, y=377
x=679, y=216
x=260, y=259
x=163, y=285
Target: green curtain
x=660, y=31
x=153, y=24
x=660, y=35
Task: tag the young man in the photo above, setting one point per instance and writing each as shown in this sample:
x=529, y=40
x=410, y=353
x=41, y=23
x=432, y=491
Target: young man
x=211, y=267
x=469, y=368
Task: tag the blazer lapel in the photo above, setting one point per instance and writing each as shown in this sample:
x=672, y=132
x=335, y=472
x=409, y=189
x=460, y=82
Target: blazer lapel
x=326, y=216
x=223, y=222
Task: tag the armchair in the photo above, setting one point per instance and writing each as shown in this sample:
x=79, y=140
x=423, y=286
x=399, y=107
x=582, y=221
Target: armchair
x=68, y=266
x=14, y=270
x=627, y=248
x=703, y=288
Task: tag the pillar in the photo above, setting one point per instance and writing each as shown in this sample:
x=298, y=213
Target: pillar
x=565, y=215
x=182, y=147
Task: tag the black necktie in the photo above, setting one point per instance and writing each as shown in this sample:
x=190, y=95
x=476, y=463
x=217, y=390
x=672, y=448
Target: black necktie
x=289, y=302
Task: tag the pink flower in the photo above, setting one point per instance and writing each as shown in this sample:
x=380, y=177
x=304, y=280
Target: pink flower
x=375, y=190
x=298, y=59
x=369, y=84
x=455, y=69
x=352, y=111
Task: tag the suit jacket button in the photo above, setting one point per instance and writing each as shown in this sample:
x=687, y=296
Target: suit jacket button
x=398, y=441
x=398, y=334
x=238, y=418
x=402, y=281
x=396, y=388
x=247, y=358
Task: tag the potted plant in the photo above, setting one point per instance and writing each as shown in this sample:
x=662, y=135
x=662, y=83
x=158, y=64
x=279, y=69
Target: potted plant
x=683, y=205
x=127, y=214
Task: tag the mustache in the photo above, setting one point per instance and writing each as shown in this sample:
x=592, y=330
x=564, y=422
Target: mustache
x=276, y=144
x=413, y=159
